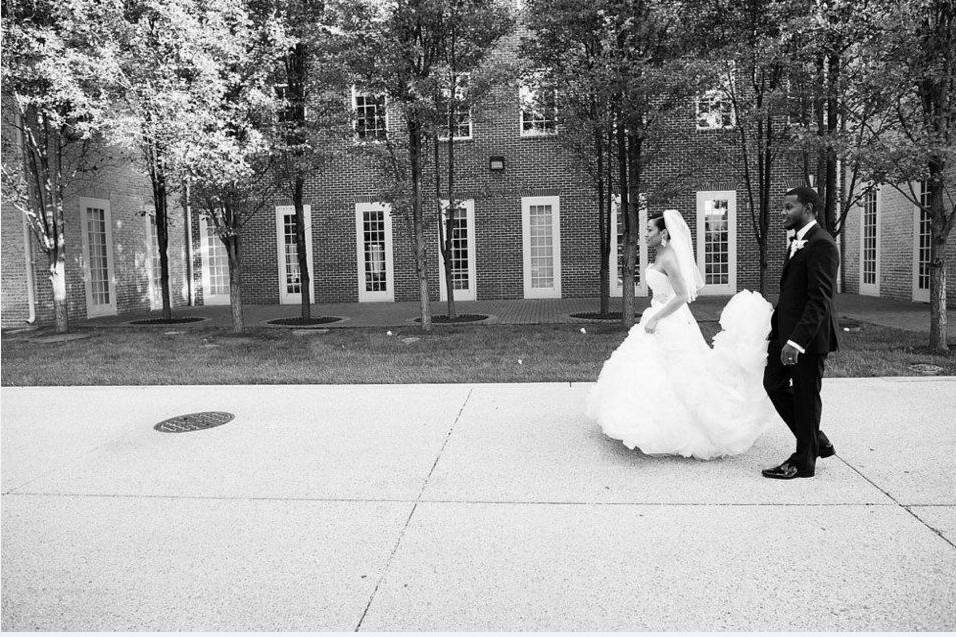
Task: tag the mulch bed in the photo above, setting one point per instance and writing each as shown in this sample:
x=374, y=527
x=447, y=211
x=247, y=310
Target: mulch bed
x=597, y=316
x=298, y=321
x=460, y=318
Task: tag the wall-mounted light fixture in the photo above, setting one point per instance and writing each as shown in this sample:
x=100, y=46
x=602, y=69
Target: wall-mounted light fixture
x=496, y=163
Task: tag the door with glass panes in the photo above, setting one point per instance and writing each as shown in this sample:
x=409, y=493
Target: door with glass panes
x=462, y=253
x=290, y=282
x=215, y=264
x=373, y=250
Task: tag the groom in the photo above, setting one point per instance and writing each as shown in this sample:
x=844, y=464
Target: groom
x=803, y=331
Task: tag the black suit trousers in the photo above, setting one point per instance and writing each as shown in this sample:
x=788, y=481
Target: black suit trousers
x=799, y=405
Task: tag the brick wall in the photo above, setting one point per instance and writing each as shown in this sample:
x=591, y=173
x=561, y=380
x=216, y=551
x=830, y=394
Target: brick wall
x=127, y=193
x=702, y=160
x=897, y=243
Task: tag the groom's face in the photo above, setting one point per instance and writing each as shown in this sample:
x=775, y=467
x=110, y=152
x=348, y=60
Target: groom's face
x=794, y=214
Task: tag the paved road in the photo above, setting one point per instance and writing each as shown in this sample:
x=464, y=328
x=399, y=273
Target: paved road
x=464, y=507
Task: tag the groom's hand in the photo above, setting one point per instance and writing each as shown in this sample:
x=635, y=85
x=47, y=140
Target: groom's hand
x=789, y=354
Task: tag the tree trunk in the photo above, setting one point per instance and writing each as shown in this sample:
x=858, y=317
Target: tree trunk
x=938, y=335
x=58, y=283
x=162, y=233
x=300, y=246
x=830, y=170
x=939, y=231
x=604, y=223
x=631, y=229
x=235, y=283
x=418, y=226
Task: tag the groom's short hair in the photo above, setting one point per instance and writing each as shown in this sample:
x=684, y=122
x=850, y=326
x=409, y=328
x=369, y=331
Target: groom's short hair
x=807, y=196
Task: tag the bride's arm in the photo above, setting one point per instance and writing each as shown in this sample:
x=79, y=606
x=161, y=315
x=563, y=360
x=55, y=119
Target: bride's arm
x=680, y=291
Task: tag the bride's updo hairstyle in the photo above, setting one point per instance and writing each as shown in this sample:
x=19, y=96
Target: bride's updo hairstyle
x=658, y=220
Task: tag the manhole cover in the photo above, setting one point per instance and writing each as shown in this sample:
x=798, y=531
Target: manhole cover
x=926, y=368
x=194, y=422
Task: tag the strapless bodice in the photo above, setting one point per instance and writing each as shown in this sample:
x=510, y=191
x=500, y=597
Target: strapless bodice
x=660, y=286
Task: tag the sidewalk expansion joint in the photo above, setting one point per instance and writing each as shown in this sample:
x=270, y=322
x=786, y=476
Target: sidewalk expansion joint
x=253, y=498
x=905, y=507
x=411, y=513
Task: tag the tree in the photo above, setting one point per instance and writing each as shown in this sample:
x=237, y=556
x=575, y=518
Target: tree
x=911, y=71
x=825, y=40
x=228, y=162
x=567, y=43
x=167, y=57
x=470, y=29
x=312, y=81
x=57, y=61
x=648, y=79
x=753, y=64
x=399, y=60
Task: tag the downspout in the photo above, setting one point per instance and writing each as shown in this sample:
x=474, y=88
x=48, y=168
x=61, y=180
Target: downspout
x=189, y=246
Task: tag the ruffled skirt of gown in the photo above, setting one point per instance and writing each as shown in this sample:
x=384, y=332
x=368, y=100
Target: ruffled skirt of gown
x=670, y=393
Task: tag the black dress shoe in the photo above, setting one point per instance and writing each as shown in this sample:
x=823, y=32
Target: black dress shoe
x=826, y=451
x=786, y=471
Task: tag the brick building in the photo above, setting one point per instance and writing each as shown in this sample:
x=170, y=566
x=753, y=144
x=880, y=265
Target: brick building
x=528, y=223
x=112, y=257
x=886, y=249
x=527, y=228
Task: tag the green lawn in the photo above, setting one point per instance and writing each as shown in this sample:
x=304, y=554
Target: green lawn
x=476, y=353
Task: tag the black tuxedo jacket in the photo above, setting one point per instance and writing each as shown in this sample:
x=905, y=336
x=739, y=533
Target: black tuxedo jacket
x=804, y=312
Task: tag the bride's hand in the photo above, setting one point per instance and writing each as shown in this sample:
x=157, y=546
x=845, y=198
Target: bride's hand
x=650, y=325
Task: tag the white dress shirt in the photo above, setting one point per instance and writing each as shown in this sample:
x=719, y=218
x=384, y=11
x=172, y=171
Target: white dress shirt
x=801, y=233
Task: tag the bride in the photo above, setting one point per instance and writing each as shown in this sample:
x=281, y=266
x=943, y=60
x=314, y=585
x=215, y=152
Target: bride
x=664, y=390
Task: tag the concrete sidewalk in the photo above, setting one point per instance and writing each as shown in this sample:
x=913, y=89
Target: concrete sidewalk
x=886, y=312
x=464, y=507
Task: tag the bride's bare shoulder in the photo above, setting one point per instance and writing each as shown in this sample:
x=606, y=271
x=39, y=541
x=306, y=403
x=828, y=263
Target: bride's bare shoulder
x=667, y=259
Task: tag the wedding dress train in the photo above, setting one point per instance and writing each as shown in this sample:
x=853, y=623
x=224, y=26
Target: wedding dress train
x=668, y=392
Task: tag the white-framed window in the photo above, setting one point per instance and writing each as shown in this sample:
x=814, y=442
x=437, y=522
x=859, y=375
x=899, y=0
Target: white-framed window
x=215, y=264
x=541, y=243
x=290, y=283
x=715, y=111
x=463, y=272
x=538, y=111
x=717, y=240
x=616, y=271
x=462, y=115
x=153, y=265
x=922, y=251
x=373, y=249
x=870, y=242
x=371, y=115
x=99, y=278
x=285, y=111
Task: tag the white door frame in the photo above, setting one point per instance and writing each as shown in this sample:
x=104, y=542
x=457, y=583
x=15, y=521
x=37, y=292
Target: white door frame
x=470, y=293
x=731, y=197
x=388, y=294
x=870, y=289
x=154, y=286
x=285, y=297
x=554, y=292
x=919, y=295
x=208, y=298
x=100, y=309
x=617, y=288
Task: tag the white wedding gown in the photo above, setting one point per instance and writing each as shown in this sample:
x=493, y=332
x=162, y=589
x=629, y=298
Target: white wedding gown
x=670, y=393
